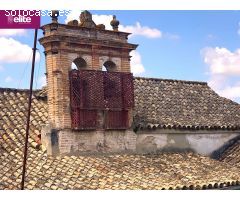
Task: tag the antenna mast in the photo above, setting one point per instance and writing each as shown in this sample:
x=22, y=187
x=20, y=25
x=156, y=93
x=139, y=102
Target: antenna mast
x=29, y=111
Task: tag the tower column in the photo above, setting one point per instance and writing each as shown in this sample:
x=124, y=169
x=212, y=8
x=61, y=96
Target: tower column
x=95, y=58
x=87, y=114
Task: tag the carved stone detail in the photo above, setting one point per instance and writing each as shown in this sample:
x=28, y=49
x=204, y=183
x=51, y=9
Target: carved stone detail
x=86, y=20
x=115, y=60
x=103, y=59
x=87, y=58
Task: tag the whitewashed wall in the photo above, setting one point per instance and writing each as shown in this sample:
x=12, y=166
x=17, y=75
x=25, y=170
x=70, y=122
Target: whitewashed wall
x=204, y=143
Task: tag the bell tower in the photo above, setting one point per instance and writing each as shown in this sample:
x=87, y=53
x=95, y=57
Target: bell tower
x=90, y=110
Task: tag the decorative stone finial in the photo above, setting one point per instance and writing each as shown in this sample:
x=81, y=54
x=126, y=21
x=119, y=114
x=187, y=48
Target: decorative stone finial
x=54, y=15
x=73, y=23
x=86, y=20
x=114, y=23
x=101, y=27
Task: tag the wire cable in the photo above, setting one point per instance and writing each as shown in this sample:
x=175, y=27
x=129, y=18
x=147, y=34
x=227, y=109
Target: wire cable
x=38, y=70
x=24, y=72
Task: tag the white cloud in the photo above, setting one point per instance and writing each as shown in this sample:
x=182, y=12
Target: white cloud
x=216, y=81
x=103, y=19
x=8, y=79
x=223, y=86
x=74, y=14
x=13, y=32
x=140, y=30
x=136, y=29
x=222, y=61
x=13, y=51
x=231, y=92
x=136, y=63
x=223, y=65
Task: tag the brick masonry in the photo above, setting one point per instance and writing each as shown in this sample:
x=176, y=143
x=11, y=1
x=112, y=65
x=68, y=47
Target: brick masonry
x=96, y=141
x=63, y=44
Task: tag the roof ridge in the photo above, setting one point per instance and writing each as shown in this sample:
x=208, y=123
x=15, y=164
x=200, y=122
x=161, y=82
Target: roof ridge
x=172, y=80
x=17, y=90
x=217, y=154
x=135, y=77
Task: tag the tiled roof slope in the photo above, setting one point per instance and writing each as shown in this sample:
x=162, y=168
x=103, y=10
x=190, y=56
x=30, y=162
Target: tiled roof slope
x=167, y=170
x=161, y=103
x=176, y=171
x=231, y=154
x=13, y=107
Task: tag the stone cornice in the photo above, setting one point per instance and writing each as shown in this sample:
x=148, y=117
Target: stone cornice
x=86, y=41
x=71, y=27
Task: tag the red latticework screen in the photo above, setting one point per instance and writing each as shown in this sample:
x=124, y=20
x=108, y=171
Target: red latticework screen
x=128, y=90
x=116, y=119
x=84, y=119
x=93, y=91
x=113, y=90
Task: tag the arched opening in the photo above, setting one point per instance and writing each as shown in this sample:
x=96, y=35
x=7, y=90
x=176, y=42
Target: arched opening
x=109, y=66
x=79, y=63
x=104, y=69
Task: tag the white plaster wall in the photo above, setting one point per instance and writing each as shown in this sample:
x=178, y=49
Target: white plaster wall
x=123, y=141
x=205, y=144
x=202, y=143
x=147, y=141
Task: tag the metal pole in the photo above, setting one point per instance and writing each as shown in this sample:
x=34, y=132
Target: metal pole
x=29, y=111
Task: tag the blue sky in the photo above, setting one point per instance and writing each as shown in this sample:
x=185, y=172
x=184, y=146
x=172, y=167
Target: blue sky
x=186, y=45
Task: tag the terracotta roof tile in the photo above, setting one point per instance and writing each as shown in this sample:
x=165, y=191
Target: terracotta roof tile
x=163, y=103
x=231, y=154
x=170, y=170
x=166, y=170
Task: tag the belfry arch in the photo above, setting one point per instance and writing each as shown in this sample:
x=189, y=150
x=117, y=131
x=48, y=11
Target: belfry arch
x=79, y=63
x=110, y=66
